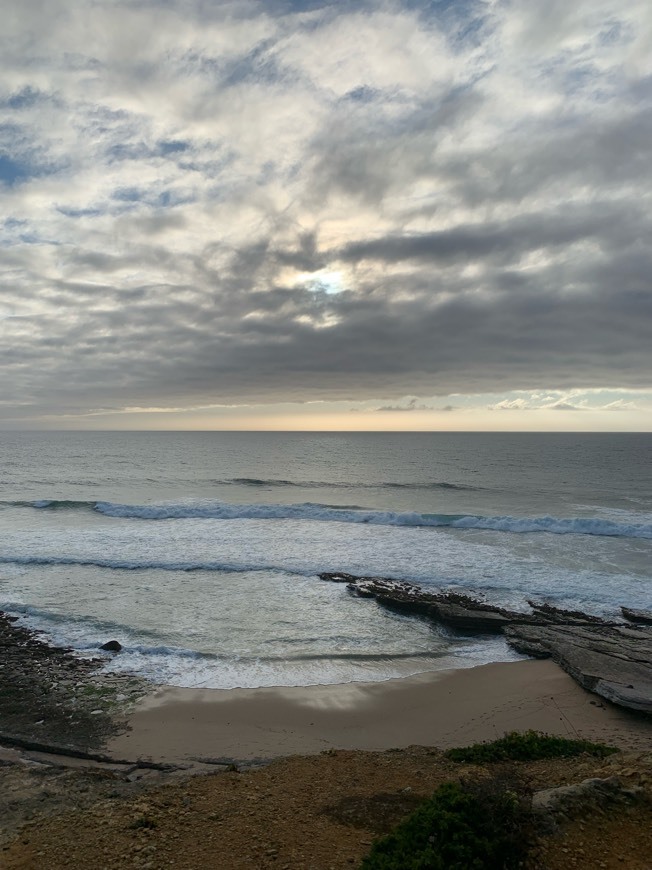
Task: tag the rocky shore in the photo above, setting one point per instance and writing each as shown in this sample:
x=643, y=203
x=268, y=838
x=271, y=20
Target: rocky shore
x=612, y=659
x=52, y=699
x=57, y=710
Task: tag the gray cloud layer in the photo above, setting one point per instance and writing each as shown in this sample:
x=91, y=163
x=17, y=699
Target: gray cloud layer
x=294, y=200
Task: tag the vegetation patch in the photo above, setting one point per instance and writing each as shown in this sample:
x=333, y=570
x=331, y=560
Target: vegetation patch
x=482, y=825
x=527, y=746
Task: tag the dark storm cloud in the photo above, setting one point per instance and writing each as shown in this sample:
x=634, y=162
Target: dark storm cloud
x=222, y=203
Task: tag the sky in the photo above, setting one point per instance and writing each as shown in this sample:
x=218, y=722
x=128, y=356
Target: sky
x=297, y=214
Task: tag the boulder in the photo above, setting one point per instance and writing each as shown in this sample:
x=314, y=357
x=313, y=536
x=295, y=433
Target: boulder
x=112, y=646
x=575, y=800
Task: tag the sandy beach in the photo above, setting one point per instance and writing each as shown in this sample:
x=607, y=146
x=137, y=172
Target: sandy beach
x=442, y=709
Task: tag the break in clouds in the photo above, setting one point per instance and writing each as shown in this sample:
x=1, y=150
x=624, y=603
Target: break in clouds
x=244, y=202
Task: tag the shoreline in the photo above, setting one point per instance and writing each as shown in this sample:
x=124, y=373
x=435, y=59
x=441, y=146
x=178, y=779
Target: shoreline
x=439, y=709
x=51, y=697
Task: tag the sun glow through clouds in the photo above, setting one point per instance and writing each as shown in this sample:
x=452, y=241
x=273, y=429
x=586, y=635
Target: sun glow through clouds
x=323, y=281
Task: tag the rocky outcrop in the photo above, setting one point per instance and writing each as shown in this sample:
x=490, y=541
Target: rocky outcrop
x=458, y=611
x=52, y=697
x=614, y=660
x=568, y=617
x=643, y=617
x=578, y=799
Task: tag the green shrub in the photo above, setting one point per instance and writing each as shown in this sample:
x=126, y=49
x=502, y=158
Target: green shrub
x=527, y=746
x=464, y=826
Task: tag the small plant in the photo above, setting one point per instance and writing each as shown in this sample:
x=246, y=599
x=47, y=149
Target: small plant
x=527, y=746
x=464, y=826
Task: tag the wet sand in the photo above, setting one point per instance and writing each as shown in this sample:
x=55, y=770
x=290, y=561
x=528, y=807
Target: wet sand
x=443, y=709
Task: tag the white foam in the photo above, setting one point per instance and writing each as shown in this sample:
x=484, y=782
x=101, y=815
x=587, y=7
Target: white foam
x=323, y=513
x=175, y=666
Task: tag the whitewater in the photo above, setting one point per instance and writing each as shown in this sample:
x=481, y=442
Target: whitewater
x=200, y=552
x=324, y=513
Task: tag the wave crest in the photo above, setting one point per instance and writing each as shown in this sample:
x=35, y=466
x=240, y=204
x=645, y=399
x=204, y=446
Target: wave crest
x=218, y=510
x=328, y=513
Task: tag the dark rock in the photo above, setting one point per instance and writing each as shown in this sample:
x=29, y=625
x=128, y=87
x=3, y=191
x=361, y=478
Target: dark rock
x=451, y=608
x=568, y=617
x=394, y=594
x=611, y=659
x=643, y=617
x=475, y=619
x=112, y=646
x=338, y=577
x=569, y=801
x=614, y=662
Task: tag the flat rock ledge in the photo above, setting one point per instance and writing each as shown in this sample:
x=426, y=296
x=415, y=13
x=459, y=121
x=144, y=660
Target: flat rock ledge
x=611, y=659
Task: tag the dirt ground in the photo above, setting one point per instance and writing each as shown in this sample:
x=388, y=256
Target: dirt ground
x=309, y=813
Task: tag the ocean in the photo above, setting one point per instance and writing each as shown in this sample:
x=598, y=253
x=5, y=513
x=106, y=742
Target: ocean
x=199, y=551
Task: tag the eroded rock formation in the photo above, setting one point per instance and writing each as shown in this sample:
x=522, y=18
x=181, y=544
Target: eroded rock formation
x=612, y=659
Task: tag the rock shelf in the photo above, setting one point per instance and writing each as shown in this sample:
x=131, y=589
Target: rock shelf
x=611, y=659
x=644, y=617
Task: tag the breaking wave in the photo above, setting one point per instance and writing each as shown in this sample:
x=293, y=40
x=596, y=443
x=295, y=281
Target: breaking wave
x=217, y=510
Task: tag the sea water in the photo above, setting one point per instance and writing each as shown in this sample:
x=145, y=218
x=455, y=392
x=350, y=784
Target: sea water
x=200, y=551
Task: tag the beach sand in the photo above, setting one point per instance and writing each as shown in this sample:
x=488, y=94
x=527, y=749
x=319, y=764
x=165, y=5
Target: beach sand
x=442, y=709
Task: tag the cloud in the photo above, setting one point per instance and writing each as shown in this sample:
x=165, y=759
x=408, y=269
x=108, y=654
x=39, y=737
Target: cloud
x=620, y=405
x=285, y=201
x=509, y=405
x=412, y=405
x=574, y=400
x=535, y=403
x=563, y=406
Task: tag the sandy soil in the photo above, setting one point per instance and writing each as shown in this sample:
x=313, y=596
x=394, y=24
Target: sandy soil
x=449, y=708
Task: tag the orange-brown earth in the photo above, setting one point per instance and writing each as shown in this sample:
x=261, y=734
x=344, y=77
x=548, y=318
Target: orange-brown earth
x=312, y=812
